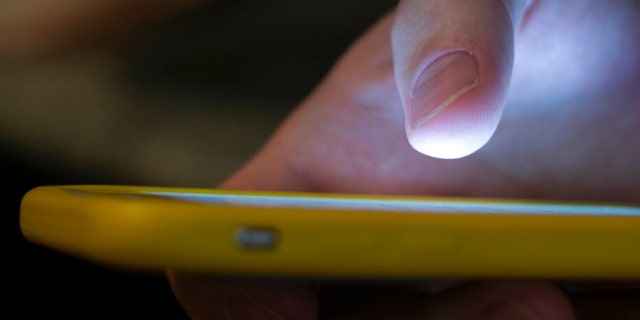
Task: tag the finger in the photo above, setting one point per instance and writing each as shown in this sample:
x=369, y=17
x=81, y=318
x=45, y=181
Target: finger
x=499, y=300
x=453, y=62
x=207, y=297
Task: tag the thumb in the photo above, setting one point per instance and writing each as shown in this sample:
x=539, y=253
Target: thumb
x=452, y=62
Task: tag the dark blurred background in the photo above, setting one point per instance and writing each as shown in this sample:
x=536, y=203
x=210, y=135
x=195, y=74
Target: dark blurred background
x=182, y=101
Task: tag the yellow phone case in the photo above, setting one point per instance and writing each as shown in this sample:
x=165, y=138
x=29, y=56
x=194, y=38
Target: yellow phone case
x=155, y=228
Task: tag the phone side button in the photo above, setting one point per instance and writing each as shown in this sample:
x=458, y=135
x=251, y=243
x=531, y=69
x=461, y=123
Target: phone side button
x=256, y=238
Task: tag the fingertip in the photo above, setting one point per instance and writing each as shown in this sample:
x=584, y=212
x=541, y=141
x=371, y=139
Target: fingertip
x=458, y=132
x=453, y=63
x=447, y=144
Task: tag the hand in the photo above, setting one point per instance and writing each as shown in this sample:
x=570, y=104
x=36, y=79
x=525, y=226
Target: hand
x=551, y=88
x=40, y=28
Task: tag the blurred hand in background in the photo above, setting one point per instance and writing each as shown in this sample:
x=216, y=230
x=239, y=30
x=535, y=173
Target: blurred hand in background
x=40, y=28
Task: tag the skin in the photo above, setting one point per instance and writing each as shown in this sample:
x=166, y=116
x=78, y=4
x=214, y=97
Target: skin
x=567, y=132
x=558, y=91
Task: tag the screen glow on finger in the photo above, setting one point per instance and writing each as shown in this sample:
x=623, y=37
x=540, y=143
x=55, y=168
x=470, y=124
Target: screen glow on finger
x=451, y=140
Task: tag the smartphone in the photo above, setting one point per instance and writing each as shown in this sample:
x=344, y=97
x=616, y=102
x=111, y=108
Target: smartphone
x=226, y=232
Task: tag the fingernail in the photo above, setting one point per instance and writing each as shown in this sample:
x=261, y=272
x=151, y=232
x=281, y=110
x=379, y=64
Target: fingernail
x=443, y=82
x=509, y=310
x=244, y=307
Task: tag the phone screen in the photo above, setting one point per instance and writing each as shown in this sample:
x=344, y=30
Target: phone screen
x=402, y=205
